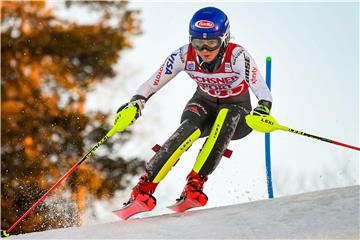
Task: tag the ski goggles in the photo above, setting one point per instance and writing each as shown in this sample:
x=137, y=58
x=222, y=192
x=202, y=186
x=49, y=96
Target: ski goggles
x=208, y=44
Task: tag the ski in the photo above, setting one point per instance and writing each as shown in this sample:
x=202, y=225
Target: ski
x=142, y=203
x=192, y=200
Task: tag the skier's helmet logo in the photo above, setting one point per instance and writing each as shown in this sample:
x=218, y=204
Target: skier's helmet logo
x=210, y=23
x=204, y=24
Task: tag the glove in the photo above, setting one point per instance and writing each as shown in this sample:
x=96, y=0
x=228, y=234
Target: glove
x=136, y=101
x=263, y=108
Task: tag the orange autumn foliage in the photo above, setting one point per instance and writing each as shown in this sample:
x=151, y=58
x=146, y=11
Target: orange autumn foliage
x=47, y=67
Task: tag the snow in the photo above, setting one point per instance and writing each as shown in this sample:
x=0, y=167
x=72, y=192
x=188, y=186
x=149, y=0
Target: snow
x=332, y=213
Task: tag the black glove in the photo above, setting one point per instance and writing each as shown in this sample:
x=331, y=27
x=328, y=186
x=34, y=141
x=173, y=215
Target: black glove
x=263, y=108
x=137, y=101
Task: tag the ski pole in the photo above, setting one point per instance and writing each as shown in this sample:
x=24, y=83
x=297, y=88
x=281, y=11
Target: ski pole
x=122, y=120
x=267, y=123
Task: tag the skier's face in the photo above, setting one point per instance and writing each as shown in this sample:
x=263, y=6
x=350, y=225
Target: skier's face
x=206, y=55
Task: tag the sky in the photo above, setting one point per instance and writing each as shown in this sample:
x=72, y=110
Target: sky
x=315, y=87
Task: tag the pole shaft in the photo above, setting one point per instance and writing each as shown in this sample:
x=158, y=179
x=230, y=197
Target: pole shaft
x=345, y=145
x=43, y=197
x=323, y=139
x=58, y=182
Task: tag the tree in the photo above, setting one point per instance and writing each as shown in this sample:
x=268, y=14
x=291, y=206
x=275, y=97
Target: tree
x=47, y=67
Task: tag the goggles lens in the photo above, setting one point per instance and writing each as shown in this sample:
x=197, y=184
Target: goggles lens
x=208, y=44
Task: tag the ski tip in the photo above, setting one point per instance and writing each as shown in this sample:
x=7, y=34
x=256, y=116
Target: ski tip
x=268, y=59
x=121, y=215
x=143, y=203
x=177, y=207
x=4, y=234
x=194, y=199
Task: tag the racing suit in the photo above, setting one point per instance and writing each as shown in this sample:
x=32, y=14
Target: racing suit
x=217, y=109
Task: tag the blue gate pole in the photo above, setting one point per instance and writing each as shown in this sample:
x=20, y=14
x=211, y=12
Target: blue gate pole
x=267, y=136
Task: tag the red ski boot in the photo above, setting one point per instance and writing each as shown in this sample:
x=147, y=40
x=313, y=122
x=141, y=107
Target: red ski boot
x=141, y=199
x=144, y=186
x=192, y=195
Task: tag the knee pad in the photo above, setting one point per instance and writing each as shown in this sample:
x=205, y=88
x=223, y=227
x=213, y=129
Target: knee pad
x=217, y=141
x=162, y=162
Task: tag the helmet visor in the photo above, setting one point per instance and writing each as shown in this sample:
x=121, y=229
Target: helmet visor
x=208, y=44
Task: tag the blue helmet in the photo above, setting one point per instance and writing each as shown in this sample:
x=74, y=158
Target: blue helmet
x=210, y=23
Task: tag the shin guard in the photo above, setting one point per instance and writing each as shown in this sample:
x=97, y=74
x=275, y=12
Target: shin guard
x=217, y=141
x=170, y=152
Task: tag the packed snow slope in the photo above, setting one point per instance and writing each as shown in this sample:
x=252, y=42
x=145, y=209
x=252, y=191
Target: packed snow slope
x=325, y=214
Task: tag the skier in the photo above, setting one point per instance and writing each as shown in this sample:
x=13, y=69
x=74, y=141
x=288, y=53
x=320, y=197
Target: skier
x=224, y=72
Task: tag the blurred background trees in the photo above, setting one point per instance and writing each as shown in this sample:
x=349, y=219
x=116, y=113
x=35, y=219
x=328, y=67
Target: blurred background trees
x=47, y=67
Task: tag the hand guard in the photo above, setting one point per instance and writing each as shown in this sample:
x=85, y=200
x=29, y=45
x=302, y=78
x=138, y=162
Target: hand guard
x=137, y=101
x=263, y=108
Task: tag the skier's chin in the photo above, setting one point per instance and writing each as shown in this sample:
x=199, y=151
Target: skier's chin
x=208, y=58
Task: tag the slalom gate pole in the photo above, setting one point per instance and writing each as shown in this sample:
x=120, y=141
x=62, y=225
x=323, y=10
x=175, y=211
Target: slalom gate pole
x=267, y=123
x=267, y=138
x=123, y=119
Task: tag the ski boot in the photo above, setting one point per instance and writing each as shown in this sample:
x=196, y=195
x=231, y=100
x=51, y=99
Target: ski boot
x=144, y=186
x=192, y=196
x=141, y=199
x=195, y=183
